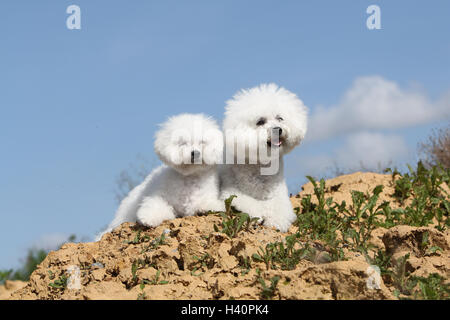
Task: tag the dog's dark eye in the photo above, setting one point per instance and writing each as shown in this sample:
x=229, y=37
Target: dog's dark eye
x=261, y=122
x=279, y=118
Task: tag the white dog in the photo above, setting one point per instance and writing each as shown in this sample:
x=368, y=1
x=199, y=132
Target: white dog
x=264, y=111
x=190, y=146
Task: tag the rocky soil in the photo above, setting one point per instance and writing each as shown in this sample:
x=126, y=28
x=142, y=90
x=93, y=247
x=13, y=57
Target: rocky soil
x=194, y=262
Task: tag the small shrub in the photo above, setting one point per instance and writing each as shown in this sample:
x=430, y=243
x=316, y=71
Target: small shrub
x=60, y=283
x=203, y=263
x=234, y=221
x=154, y=281
x=156, y=243
x=432, y=287
x=428, y=199
x=284, y=253
x=138, y=239
x=267, y=292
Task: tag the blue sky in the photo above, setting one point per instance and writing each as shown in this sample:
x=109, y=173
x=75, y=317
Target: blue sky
x=78, y=106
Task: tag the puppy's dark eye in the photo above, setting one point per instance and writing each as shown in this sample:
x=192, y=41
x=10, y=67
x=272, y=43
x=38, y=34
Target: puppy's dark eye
x=261, y=122
x=279, y=118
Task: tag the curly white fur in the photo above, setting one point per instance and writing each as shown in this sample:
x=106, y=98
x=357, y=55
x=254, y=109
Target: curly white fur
x=190, y=146
x=261, y=109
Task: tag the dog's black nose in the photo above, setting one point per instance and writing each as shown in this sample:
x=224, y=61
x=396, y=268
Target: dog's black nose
x=277, y=129
x=194, y=155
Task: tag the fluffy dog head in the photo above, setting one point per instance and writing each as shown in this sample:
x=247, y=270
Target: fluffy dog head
x=268, y=111
x=189, y=143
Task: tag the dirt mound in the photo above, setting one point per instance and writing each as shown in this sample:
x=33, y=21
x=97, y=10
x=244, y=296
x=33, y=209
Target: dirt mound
x=187, y=259
x=9, y=287
x=196, y=263
x=340, y=187
x=418, y=243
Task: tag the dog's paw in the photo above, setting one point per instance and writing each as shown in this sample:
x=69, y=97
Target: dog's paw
x=281, y=222
x=152, y=218
x=213, y=205
x=146, y=219
x=204, y=205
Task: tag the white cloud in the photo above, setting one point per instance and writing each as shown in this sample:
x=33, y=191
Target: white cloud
x=374, y=103
x=371, y=150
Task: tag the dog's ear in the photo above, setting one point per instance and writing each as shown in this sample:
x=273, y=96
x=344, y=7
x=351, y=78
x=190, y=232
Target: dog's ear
x=166, y=145
x=300, y=122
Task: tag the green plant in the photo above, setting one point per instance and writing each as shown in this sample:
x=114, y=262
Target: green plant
x=234, y=221
x=432, y=250
x=156, y=243
x=204, y=262
x=362, y=219
x=140, y=264
x=406, y=286
x=135, y=266
x=267, y=292
x=390, y=217
x=402, y=186
x=322, y=220
x=287, y=254
x=138, y=239
x=245, y=264
x=51, y=275
x=154, y=281
x=432, y=287
x=422, y=191
x=265, y=255
x=142, y=295
x=384, y=261
x=402, y=282
x=60, y=283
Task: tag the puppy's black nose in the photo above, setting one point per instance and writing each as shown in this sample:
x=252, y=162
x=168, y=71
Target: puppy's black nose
x=277, y=130
x=194, y=155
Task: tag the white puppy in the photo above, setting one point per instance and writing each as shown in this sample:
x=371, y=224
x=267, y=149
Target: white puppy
x=190, y=146
x=278, y=120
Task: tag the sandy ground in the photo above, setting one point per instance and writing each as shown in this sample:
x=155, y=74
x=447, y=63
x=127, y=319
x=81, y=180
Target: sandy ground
x=197, y=263
x=9, y=287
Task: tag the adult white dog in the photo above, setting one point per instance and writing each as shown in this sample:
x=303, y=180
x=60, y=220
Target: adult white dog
x=277, y=119
x=190, y=146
